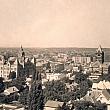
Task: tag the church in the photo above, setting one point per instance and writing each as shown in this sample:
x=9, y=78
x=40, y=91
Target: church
x=14, y=67
x=100, y=54
x=99, y=66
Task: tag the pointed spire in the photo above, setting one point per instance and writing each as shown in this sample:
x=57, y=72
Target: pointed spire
x=22, y=52
x=99, y=49
x=21, y=48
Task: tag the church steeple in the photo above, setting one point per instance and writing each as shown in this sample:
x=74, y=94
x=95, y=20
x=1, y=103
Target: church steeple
x=22, y=56
x=99, y=50
x=100, y=54
x=22, y=52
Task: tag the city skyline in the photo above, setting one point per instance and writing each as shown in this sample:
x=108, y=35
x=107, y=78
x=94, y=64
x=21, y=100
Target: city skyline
x=55, y=23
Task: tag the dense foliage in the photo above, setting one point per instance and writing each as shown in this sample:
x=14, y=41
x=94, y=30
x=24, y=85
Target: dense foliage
x=54, y=90
x=23, y=99
x=36, y=98
x=84, y=105
x=35, y=101
x=57, y=90
x=2, y=86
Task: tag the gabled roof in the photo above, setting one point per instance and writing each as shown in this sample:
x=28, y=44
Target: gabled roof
x=106, y=94
x=101, y=85
x=10, y=90
x=95, y=64
x=95, y=94
x=11, y=107
x=87, y=98
x=92, y=97
x=53, y=104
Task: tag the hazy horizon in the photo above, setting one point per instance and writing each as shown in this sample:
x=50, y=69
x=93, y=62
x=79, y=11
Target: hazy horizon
x=58, y=47
x=55, y=23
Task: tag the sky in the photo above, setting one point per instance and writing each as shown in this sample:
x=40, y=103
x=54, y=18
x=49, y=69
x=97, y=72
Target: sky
x=55, y=23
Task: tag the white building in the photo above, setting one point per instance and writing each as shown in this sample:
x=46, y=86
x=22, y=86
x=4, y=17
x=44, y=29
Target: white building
x=81, y=59
x=101, y=85
x=54, y=76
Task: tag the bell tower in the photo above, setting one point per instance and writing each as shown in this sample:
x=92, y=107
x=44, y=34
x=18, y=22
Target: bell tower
x=100, y=54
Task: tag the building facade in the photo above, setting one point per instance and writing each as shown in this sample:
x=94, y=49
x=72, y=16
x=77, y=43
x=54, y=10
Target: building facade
x=14, y=67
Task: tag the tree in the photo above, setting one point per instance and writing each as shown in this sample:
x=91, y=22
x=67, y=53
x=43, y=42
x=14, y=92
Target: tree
x=30, y=68
x=19, y=82
x=80, y=77
x=2, y=86
x=57, y=89
x=23, y=99
x=109, y=69
x=35, y=99
x=54, y=90
x=85, y=105
x=12, y=75
x=84, y=85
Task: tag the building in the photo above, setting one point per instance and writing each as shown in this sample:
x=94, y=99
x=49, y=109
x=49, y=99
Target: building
x=8, y=66
x=10, y=94
x=41, y=65
x=56, y=66
x=11, y=107
x=81, y=59
x=101, y=85
x=98, y=95
x=14, y=67
x=10, y=91
x=54, y=76
x=11, y=66
x=53, y=105
x=100, y=54
x=95, y=70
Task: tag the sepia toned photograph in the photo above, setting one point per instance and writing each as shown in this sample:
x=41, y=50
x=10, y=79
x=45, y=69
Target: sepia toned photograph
x=54, y=54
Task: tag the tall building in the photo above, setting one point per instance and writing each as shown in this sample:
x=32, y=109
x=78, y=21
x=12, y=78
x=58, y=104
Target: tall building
x=21, y=57
x=100, y=54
